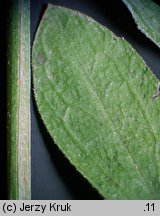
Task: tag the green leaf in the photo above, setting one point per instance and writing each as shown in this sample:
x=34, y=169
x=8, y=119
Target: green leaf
x=94, y=94
x=147, y=15
x=18, y=100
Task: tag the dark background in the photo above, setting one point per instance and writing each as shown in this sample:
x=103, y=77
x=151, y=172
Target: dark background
x=53, y=177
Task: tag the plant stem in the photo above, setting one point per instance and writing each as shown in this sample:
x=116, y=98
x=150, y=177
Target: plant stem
x=18, y=96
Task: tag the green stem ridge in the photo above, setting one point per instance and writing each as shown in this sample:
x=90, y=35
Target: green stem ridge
x=18, y=96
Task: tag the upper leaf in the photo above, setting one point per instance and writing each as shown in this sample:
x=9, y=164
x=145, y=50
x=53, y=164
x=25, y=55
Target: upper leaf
x=147, y=16
x=94, y=94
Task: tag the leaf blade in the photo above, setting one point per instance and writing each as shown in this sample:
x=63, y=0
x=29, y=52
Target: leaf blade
x=82, y=75
x=146, y=15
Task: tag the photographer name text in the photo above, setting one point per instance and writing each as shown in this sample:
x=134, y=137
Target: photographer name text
x=52, y=207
